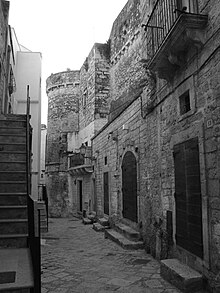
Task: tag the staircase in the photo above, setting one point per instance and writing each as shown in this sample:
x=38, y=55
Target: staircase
x=125, y=236
x=16, y=274
x=101, y=225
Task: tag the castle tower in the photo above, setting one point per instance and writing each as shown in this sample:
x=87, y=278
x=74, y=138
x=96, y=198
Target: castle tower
x=63, y=103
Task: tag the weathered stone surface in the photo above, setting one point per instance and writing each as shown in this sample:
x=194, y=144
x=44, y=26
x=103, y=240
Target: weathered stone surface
x=181, y=276
x=145, y=118
x=123, y=241
x=4, y=52
x=63, y=100
x=149, y=124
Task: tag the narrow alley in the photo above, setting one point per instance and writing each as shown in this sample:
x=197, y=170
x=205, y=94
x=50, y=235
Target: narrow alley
x=77, y=259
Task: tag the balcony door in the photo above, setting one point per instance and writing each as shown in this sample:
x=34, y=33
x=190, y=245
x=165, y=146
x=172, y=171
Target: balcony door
x=189, y=6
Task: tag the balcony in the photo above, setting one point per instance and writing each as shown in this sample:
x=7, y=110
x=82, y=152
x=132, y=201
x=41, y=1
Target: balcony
x=81, y=163
x=173, y=27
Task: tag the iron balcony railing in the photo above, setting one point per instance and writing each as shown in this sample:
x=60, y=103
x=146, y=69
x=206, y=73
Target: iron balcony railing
x=162, y=19
x=76, y=160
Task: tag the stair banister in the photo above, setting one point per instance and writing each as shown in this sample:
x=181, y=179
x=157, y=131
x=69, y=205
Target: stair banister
x=34, y=231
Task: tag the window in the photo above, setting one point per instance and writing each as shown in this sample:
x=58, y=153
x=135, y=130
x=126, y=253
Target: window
x=84, y=98
x=106, y=160
x=184, y=101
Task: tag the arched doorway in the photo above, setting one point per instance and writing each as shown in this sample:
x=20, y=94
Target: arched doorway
x=129, y=186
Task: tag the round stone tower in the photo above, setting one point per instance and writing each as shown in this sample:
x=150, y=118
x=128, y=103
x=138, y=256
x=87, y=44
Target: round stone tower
x=63, y=103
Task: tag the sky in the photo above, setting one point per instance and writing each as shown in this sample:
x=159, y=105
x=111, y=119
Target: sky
x=63, y=31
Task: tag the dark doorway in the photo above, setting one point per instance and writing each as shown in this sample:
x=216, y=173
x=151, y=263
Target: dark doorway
x=188, y=197
x=94, y=196
x=80, y=195
x=106, y=194
x=129, y=186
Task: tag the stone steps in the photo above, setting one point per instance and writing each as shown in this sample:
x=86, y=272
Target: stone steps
x=13, y=198
x=12, y=175
x=15, y=117
x=8, y=147
x=16, y=274
x=13, y=241
x=12, y=156
x=122, y=240
x=104, y=222
x=10, y=166
x=98, y=227
x=12, y=138
x=13, y=130
x=101, y=225
x=89, y=219
x=127, y=232
x=13, y=226
x=181, y=276
x=11, y=212
x=13, y=186
x=12, y=123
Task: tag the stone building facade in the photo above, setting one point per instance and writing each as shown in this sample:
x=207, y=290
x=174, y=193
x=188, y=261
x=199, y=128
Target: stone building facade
x=157, y=166
x=148, y=121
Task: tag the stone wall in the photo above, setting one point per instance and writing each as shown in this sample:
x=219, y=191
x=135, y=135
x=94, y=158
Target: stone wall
x=145, y=118
x=63, y=109
x=200, y=77
x=4, y=9
x=94, y=85
x=127, y=72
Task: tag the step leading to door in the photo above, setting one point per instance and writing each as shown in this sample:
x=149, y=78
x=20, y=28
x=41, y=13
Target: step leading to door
x=128, y=232
x=181, y=276
x=123, y=241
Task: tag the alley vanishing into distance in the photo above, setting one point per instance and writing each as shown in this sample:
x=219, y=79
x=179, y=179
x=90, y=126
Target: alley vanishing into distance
x=77, y=259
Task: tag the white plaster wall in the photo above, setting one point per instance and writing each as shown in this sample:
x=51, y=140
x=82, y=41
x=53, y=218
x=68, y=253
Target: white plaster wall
x=28, y=72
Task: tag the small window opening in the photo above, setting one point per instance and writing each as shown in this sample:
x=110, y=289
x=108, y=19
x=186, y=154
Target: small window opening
x=106, y=160
x=84, y=98
x=184, y=101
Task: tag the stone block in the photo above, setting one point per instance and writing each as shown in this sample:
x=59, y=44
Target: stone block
x=181, y=276
x=86, y=221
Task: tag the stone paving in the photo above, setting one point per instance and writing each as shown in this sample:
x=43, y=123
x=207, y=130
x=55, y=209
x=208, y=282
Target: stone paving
x=75, y=258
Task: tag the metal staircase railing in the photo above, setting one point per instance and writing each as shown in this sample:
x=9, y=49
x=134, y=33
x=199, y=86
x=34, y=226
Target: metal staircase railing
x=33, y=212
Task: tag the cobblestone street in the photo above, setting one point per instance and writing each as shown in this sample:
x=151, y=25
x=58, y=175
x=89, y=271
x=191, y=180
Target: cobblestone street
x=75, y=258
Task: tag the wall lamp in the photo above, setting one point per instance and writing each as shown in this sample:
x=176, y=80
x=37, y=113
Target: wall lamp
x=86, y=152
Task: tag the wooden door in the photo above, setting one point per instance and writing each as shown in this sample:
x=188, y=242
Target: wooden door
x=106, y=194
x=80, y=195
x=129, y=186
x=188, y=197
